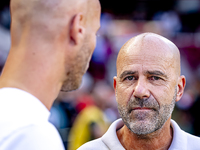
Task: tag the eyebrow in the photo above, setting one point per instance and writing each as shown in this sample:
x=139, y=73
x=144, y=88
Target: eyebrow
x=155, y=72
x=125, y=73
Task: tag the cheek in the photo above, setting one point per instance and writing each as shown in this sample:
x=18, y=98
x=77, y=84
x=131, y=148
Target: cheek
x=123, y=94
x=91, y=44
x=163, y=95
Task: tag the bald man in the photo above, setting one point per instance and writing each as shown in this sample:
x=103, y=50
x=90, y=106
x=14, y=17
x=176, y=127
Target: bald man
x=147, y=86
x=52, y=43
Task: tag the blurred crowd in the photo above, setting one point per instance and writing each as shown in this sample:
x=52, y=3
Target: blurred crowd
x=85, y=114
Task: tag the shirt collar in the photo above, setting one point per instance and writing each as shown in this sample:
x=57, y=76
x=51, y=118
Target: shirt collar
x=178, y=141
x=111, y=135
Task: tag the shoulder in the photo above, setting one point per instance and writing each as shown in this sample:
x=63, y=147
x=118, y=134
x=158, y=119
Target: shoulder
x=45, y=136
x=193, y=142
x=45, y=129
x=32, y=137
x=183, y=140
x=94, y=145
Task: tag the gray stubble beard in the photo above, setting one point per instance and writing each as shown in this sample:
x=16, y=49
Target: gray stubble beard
x=145, y=123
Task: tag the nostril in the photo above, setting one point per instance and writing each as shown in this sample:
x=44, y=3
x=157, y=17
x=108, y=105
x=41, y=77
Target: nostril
x=141, y=92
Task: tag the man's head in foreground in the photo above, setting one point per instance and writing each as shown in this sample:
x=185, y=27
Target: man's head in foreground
x=51, y=45
x=52, y=42
x=66, y=26
x=148, y=83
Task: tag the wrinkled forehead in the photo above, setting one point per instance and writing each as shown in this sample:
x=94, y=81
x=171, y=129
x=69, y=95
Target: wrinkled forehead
x=149, y=49
x=150, y=45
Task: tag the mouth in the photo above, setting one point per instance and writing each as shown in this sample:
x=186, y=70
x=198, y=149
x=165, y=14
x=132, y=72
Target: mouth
x=142, y=109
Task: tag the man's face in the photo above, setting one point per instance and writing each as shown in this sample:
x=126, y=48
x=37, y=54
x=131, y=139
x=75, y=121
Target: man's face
x=146, y=87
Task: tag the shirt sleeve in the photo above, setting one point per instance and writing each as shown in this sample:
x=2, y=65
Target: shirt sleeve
x=34, y=137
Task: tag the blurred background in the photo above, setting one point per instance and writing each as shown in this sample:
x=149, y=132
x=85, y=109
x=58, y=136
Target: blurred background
x=86, y=113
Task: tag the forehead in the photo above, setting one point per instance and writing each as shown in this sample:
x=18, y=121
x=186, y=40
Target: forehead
x=147, y=53
x=143, y=63
x=93, y=14
x=94, y=9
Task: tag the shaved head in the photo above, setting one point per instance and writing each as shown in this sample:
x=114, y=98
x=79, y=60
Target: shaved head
x=50, y=17
x=66, y=26
x=52, y=42
x=152, y=45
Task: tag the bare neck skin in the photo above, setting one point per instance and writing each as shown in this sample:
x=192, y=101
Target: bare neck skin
x=159, y=140
x=35, y=70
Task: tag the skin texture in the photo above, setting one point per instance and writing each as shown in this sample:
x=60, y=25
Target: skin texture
x=51, y=45
x=147, y=85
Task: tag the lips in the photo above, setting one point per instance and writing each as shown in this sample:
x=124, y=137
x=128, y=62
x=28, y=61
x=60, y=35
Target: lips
x=141, y=108
x=137, y=104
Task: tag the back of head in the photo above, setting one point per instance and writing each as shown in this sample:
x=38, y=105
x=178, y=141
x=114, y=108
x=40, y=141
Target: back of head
x=47, y=42
x=44, y=18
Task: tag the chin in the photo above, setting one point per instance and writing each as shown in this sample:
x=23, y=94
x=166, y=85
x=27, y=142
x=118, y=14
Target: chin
x=71, y=85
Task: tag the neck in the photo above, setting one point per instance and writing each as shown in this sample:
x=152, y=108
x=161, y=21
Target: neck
x=160, y=139
x=35, y=71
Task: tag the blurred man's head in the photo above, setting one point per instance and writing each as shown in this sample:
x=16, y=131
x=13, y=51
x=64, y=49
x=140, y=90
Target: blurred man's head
x=80, y=61
x=70, y=26
x=148, y=82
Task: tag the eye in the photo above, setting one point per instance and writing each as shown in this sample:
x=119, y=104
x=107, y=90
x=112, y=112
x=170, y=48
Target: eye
x=129, y=78
x=155, y=78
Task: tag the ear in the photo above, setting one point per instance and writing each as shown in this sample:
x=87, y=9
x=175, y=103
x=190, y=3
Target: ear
x=114, y=82
x=77, y=29
x=181, y=86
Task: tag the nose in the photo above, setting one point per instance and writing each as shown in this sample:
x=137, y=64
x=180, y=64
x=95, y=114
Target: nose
x=141, y=90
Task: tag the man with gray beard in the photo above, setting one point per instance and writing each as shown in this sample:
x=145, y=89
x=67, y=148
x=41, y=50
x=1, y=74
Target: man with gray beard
x=147, y=85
